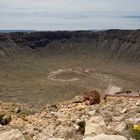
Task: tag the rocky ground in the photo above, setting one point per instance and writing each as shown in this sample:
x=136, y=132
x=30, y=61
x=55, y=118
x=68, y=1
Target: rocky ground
x=111, y=119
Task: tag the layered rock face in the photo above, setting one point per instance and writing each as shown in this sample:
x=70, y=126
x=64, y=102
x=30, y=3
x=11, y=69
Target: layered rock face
x=111, y=43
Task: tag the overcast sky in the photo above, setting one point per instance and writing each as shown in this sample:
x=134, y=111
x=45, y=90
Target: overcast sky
x=69, y=14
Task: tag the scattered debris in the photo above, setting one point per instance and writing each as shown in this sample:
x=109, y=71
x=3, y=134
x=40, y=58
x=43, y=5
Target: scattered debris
x=128, y=93
x=84, y=118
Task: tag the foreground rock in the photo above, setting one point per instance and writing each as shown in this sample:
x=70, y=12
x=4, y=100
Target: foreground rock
x=111, y=119
x=95, y=125
x=55, y=139
x=106, y=137
x=12, y=135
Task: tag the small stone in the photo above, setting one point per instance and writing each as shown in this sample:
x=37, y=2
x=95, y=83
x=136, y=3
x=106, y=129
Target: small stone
x=124, y=111
x=80, y=107
x=81, y=128
x=1, y=117
x=64, y=132
x=88, y=138
x=119, y=119
x=55, y=139
x=17, y=110
x=6, y=120
x=120, y=127
x=76, y=126
x=77, y=99
x=30, y=129
x=57, y=123
x=133, y=120
x=91, y=113
x=40, y=136
x=56, y=114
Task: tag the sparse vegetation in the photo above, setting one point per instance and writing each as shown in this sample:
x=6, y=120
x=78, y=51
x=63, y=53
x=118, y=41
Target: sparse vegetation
x=135, y=134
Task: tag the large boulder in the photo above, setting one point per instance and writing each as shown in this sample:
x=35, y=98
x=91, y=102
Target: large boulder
x=92, y=97
x=112, y=90
x=13, y=134
x=106, y=137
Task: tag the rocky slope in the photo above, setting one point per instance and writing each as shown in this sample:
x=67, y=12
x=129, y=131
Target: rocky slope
x=111, y=43
x=111, y=119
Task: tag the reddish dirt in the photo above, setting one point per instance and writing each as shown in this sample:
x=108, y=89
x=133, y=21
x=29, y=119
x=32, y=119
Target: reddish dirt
x=93, y=97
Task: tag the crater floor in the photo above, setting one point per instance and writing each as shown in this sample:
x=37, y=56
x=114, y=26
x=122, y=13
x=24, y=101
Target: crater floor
x=49, y=80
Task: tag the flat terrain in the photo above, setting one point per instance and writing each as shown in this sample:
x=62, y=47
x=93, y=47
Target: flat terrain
x=27, y=80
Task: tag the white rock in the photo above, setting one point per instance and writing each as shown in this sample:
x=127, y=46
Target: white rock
x=40, y=136
x=77, y=99
x=91, y=113
x=30, y=129
x=131, y=139
x=133, y=120
x=112, y=90
x=120, y=127
x=106, y=137
x=124, y=110
x=13, y=134
x=57, y=114
x=64, y=132
x=76, y=126
x=119, y=119
x=137, y=103
x=80, y=107
x=55, y=139
x=95, y=125
x=88, y=138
